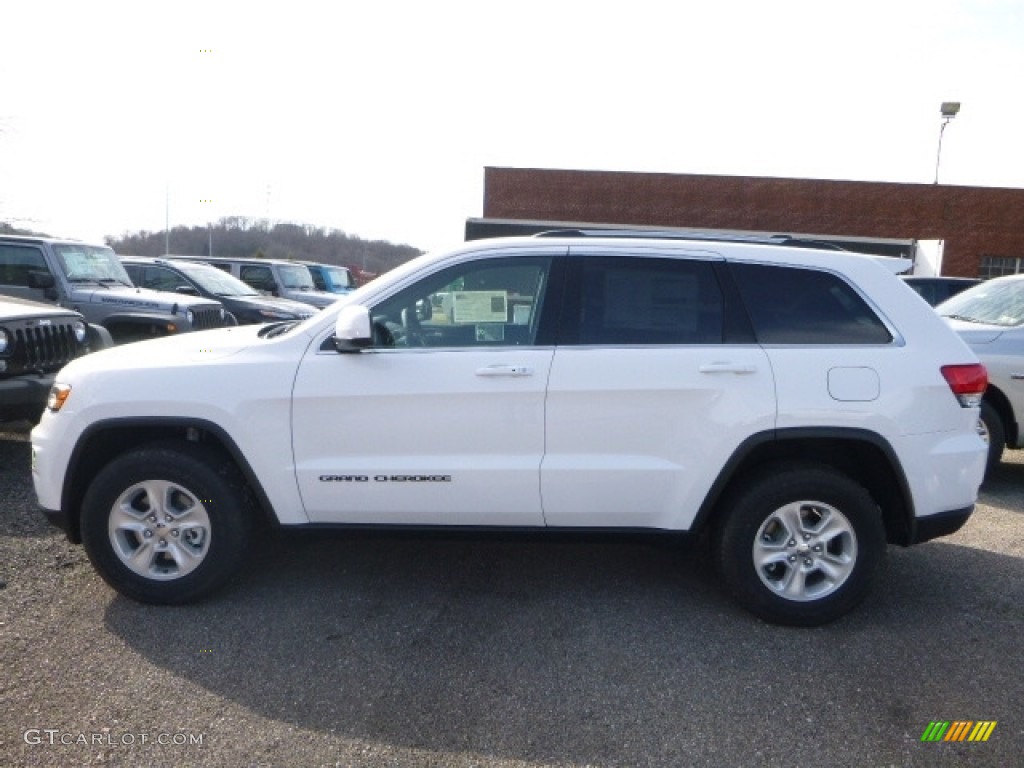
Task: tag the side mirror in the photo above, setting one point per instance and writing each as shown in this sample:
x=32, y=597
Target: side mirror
x=352, y=329
x=187, y=290
x=424, y=310
x=40, y=280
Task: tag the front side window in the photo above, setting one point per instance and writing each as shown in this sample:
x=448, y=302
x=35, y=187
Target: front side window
x=259, y=277
x=640, y=301
x=495, y=302
x=790, y=305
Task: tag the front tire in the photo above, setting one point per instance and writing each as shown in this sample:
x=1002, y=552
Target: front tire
x=800, y=545
x=167, y=523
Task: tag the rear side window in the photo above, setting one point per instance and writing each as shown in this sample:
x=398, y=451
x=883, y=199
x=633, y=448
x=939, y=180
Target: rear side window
x=648, y=301
x=789, y=305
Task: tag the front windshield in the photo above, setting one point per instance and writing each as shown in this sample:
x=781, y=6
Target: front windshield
x=297, y=277
x=91, y=263
x=216, y=281
x=340, y=278
x=995, y=302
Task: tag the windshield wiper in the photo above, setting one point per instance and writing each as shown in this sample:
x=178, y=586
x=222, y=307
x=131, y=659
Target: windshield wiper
x=108, y=280
x=270, y=330
x=965, y=319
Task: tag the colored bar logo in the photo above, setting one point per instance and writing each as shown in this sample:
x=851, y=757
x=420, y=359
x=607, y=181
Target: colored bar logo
x=958, y=730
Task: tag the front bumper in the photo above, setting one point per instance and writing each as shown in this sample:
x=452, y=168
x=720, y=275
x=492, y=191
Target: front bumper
x=942, y=524
x=24, y=397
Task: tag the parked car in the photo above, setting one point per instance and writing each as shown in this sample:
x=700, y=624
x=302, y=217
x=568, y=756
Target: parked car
x=331, y=278
x=90, y=279
x=196, y=279
x=287, y=279
x=793, y=404
x=36, y=341
x=990, y=318
x=937, y=289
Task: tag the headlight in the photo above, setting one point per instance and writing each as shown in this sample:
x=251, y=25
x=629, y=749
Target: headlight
x=4, y=341
x=190, y=316
x=59, y=394
x=273, y=314
x=80, y=331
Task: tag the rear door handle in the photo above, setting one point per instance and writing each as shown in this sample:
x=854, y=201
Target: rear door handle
x=504, y=370
x=727, y=367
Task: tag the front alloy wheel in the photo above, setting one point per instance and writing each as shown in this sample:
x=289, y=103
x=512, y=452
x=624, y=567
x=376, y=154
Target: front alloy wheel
x=159, y=530
x=166, y=523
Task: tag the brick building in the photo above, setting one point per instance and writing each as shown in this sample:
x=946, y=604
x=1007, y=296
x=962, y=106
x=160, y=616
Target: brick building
x=982, y=227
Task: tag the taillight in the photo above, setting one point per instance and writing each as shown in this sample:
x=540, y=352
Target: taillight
x=968, y=383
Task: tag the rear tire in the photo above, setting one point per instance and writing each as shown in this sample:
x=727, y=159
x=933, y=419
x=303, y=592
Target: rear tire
x=167, y=523
x=799, y=545
x=990, y=427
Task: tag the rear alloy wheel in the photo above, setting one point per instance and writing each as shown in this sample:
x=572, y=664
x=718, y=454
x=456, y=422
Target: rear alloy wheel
x=167, y=523
x=801, y=545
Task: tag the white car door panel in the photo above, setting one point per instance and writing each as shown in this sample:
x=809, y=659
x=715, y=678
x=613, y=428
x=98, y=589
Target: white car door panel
x=635, y=436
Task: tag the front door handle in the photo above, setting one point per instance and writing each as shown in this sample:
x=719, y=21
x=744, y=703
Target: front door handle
x=504, y=370
x=727, y=367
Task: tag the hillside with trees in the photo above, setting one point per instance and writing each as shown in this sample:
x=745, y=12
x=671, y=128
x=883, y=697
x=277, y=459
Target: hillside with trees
x=242, y=237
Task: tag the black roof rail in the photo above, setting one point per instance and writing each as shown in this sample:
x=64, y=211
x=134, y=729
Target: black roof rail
x=681, y=234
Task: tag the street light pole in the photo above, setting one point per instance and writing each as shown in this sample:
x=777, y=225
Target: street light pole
x=948, y=110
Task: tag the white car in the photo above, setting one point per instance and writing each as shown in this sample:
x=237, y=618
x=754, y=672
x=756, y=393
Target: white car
x=803, y=407
x=990, y=318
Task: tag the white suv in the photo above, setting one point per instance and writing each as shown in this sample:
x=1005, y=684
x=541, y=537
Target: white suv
x=802, y=407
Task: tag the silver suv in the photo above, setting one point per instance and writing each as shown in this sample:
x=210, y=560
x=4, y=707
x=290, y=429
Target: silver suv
x=990, y=318
x=90, y=279
x=800, y=407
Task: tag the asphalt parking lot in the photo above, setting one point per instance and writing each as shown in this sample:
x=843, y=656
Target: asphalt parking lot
x=413, y=651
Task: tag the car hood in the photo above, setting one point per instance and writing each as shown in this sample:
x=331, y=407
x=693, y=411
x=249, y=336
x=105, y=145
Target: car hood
x=12, y=307
x=139, y=298
x=976, y=333
x=315, y=298
x=187, y=349
x=273, y=302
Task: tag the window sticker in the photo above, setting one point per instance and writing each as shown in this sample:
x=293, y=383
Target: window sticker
x=480, y=306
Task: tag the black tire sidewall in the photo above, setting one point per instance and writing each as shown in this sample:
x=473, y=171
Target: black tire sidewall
x=996, y=434
x=204, y=474
x=746, y=511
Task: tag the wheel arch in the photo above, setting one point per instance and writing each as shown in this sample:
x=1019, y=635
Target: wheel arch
x=104, y=441
x=863, y=455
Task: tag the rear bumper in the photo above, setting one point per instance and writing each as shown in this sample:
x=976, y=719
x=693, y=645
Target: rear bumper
x=942, y=524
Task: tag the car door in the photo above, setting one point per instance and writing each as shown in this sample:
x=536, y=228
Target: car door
x=441, y=421
x=655, y=382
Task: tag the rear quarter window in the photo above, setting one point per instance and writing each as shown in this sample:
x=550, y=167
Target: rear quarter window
x=791, y=305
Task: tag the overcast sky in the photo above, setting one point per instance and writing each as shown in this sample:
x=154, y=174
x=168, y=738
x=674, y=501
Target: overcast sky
x=378, y=118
